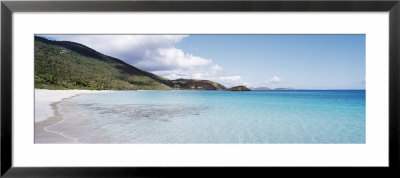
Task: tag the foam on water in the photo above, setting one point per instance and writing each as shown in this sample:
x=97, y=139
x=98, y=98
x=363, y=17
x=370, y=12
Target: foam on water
x=215, y=117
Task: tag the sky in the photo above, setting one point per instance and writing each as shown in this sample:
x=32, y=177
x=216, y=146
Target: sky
x=274, y=61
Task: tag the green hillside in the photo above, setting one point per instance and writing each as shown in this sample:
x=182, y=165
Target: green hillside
x=69, y=65
x=193, y=84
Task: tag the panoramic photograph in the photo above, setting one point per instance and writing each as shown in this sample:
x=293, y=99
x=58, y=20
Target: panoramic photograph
x=200, y=89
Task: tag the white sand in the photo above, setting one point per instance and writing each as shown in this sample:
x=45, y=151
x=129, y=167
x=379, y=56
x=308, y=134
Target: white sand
x=44, y=99
x=47, y=114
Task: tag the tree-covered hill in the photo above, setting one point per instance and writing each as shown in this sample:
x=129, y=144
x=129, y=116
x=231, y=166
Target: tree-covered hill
x=69, y=65
x=193, y=84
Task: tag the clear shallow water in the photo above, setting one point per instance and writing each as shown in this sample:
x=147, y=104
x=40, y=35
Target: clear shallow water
x=216, y=117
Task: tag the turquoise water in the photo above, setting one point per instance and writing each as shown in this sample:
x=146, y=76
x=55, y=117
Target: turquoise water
x=294, y=116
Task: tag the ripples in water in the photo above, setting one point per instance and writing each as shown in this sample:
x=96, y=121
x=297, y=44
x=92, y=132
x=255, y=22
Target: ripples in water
x=145, y=111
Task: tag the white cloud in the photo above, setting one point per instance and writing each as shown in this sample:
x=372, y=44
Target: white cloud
x=169, y=59
x=274, y=79
x=216, y=67
x=203, y=73
x=232, y=80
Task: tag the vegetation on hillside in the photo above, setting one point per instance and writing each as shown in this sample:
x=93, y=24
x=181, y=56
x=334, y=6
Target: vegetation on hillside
x=193, y=84
x=69, y=65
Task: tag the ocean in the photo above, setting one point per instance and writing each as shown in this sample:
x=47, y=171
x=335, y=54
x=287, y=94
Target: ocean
x=215, y=117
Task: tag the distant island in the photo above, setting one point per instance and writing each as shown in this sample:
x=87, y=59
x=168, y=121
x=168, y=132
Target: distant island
x=70, y=65
x=267, y=88
x=239, y=88
x=259, y=88
x=284, y=88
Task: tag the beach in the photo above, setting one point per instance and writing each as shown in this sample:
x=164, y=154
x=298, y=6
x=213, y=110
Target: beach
x=47, y=114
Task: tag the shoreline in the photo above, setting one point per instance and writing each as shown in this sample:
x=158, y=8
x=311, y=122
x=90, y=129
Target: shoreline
x=47, y=113
x=44, y=98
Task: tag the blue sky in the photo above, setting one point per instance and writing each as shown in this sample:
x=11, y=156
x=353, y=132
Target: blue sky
x=298, y=61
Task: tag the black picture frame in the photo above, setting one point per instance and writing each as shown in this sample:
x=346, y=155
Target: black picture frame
x=8, y=7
